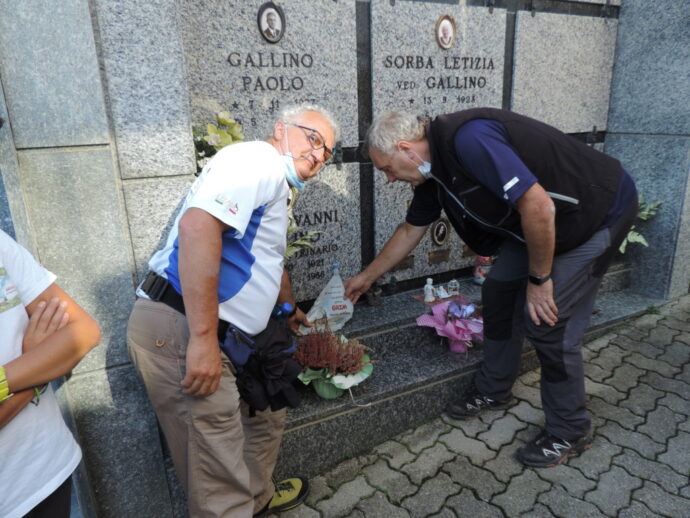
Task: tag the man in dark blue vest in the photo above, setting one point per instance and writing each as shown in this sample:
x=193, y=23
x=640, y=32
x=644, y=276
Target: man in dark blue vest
x=554, y=210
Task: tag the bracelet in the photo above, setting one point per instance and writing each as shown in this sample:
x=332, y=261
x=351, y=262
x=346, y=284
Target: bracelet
x=4, y=387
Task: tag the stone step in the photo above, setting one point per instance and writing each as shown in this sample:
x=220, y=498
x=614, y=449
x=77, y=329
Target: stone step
x=414, y=377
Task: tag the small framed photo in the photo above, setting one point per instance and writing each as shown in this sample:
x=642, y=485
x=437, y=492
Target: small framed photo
x=271, y=22
x=445, y=32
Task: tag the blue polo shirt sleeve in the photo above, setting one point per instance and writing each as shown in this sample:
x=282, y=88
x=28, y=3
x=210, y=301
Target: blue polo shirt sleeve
x=483, y=148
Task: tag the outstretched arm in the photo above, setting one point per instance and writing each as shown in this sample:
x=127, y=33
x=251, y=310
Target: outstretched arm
x=401, y=243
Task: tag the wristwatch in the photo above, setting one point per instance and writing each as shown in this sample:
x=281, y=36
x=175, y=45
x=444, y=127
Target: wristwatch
x=536, y=279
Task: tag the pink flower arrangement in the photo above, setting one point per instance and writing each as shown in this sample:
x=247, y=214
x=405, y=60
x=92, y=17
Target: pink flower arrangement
x=456, y=320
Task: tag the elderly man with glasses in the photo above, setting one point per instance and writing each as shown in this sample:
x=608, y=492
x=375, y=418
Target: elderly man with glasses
x=216, y=283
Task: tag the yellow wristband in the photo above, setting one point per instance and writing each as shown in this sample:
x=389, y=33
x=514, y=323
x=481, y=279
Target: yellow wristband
x=4, y=387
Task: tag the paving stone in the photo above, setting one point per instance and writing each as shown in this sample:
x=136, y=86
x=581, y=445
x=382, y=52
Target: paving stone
x=675, y=403
x=424, y=436
x=610, y=501
x=395, y=453
x=531, y=378
x=539, y=511
x=625, y=377
x=661, y=424
x=684, y=426
x=647, y=321
x=348, y=470
x=684, y=374
x=668, y=385
x=634, y=333
x=471, y=428
x=356, y=514
x=428, y=463
x=505, y=466
x=604, y=391
x=378, y=505
x=662, y=502
x=475, y=450
x=563, y=504
x=431, y=496
x=647, y=469
x=677, y=354
x=661, y=336
x=676, y=324
x=645, y=347
x=677, y=454
x=345, y=498
x=527, y=413
x=502, y=431
x=633, y=440
x=600, y=343
x=622, y=416
x=683, y=338
x=527, y=393
x=393, y=483
x=685, y=492
x=569, y=478
x=612, y=356
x=642, y=399
x=318, y=490
x=597, y=459
x=642, y=362
x=595, y=372
x=301, y=511
x=465, y=474
x=637, y=510
x=521, y=494
x=467, y=504
x=445, y=512
x=489, y=416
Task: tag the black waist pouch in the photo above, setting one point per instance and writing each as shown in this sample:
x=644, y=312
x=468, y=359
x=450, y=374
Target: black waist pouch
x=266, y=371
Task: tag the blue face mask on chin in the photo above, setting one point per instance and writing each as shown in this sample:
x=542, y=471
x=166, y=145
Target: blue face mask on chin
x=291, y=173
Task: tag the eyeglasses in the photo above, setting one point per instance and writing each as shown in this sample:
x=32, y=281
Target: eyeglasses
x=316, y=141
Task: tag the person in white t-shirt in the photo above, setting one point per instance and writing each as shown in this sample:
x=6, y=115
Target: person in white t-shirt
x=222, y=267
x=43, y=335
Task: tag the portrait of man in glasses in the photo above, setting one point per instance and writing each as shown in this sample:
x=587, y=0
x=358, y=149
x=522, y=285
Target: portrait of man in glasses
x=222, y=267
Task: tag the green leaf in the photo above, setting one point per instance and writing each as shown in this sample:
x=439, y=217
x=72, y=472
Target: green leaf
x=309, y=375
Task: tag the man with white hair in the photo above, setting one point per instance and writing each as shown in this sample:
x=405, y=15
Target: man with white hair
x=554, y=209
x=216, y=282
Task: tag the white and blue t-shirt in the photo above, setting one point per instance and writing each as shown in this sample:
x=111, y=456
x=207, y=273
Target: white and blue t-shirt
x=243, y=186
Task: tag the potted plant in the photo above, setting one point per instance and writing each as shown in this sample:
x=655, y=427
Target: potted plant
x=332, y=363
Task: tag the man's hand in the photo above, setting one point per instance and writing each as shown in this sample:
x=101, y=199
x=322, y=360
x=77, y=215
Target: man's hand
x=299, y=318
x=204, y=367
x=540, y=303
x=47, y=318
x=356, y=286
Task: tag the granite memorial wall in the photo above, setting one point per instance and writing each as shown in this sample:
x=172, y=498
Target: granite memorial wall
x=100, y=124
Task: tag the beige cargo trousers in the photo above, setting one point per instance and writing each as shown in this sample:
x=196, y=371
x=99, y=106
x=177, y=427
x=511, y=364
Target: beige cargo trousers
x=223, y=458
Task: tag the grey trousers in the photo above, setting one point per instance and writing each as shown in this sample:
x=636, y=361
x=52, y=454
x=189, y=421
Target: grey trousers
x=223, y=458
x=576, y=275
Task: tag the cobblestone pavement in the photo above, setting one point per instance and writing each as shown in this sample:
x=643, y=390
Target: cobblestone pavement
x=638, y=384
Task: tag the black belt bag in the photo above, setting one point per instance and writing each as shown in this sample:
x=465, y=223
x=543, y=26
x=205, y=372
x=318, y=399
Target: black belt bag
x=159, y=289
